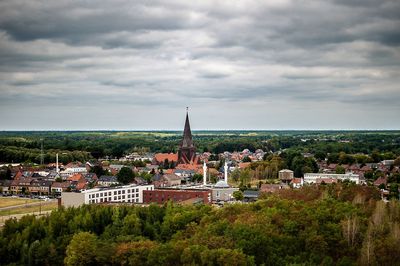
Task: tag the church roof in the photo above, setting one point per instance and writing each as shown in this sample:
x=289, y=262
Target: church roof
x=187, y=141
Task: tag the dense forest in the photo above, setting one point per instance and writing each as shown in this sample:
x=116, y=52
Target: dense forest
x=339, y=224
x=81, y=146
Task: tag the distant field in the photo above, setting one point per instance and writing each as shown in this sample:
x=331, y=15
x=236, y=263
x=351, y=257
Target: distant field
x=7, y=202
x=30, y=209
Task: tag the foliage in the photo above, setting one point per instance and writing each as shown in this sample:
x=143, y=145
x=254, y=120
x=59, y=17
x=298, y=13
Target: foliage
x=125, y=175
x=238, y=195
x=338, y=224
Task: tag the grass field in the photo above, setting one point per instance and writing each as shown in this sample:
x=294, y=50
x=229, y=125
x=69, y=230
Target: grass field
x=7, y=202
x=30, y=209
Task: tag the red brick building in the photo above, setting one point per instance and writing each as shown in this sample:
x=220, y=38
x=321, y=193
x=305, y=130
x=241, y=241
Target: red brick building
x=161, y=196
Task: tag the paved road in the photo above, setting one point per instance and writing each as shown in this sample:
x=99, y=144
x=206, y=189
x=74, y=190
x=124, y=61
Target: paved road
x=28, y=204
x=18, y=216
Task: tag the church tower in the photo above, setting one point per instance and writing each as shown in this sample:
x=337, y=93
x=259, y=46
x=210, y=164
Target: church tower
x=187, y=151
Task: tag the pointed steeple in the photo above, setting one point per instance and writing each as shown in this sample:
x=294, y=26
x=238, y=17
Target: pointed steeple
x=187, y=141
x=187, y=150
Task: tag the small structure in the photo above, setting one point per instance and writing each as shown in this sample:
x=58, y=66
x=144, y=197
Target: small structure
x=286, y=175
x=251, y=195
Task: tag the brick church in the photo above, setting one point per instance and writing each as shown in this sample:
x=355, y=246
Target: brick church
x=186, y=157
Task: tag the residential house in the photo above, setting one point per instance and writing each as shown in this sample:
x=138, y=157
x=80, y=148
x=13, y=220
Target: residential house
x=107, y=181
x=5, y=187
x=58, y=187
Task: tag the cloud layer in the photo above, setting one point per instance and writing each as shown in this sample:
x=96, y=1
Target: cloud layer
x=238, y=64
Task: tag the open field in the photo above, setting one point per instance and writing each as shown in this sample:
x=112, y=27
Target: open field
x=7, y=202
x=45, y=206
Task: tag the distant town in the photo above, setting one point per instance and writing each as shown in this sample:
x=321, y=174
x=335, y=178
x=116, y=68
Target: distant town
x=191, y=177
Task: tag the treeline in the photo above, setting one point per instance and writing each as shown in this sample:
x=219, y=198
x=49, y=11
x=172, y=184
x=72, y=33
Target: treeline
x=12, y=154
x=341, y=224
x=379, y=145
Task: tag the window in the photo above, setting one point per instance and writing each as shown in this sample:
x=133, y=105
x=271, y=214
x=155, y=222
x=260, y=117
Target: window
x=129, y=191
x=137, y=195
x=115, y=197
x=115, y=192
x=119, y=192
x=109, y=193
x=123, y=191
x=123, y=196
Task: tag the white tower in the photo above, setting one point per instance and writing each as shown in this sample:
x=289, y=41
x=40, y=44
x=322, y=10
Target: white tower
x=204, y=174
x=226, y=172
x=57, y=169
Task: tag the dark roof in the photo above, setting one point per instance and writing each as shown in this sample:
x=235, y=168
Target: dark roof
x=108, y=178
x=251, y=193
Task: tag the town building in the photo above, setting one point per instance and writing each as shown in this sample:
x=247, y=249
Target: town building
x=163, y=195
x=310, y=178
x=286, y=175
x=107, y=181
x=129, y=194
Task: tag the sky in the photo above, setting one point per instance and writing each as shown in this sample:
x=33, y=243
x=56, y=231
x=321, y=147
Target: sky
x=136, y=65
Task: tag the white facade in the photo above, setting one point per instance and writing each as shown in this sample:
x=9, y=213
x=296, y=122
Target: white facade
x=73, y=170
x=130, y=193
x=313, y=177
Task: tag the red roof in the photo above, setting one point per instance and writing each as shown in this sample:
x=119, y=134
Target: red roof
x=244, y=165
x=75, y=177
x=160, y=157
x=381, y=180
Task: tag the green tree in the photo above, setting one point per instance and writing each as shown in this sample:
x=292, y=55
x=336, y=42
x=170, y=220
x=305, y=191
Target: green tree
x=125, y=175
x=340, y=169
x=238, y=195
x=82, y=249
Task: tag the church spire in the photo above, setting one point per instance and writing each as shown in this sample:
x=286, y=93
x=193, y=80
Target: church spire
x=187, y=151
x=187, y=141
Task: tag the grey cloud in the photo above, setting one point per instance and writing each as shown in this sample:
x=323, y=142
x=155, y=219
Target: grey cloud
x=223, y=57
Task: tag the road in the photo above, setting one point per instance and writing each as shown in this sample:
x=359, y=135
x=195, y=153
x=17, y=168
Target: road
x=28, y=204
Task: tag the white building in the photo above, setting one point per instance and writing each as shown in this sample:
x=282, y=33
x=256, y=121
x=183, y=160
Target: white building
x=310, y=178
x=70, y=171
x=129, y=193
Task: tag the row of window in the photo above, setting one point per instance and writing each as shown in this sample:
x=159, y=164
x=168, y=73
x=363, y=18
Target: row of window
x=115, y=199
x=116, y=192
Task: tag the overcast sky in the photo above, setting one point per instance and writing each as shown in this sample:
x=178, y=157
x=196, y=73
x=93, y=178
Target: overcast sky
x=132, y=65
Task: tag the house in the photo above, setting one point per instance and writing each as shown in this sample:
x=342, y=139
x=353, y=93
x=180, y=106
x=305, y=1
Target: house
x=20, y=186
x=166, y=180
x=5, y=187
x=172, y=180
x=58, y=187
x=297, y=182
x=40, y=187
x=107, y=181
x=381, y=181
x=286, y=175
